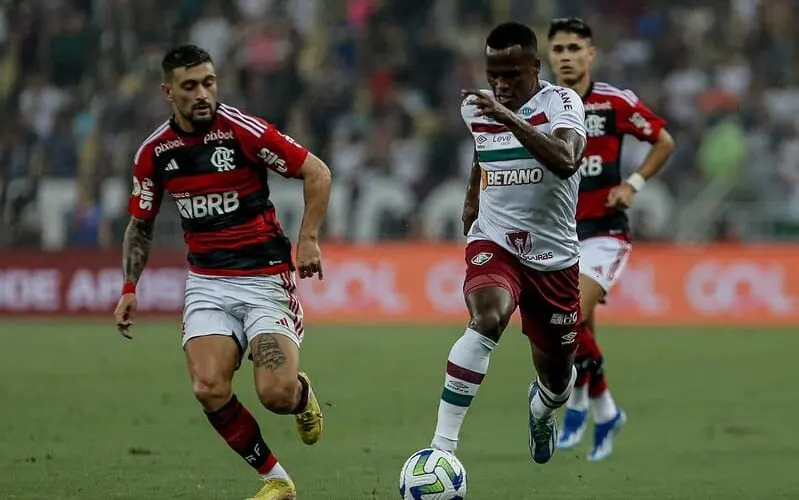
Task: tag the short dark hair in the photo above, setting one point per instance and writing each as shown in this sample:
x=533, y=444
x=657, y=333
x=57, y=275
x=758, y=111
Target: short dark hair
x=573, y=25
x=184, y=56
x=509, y=34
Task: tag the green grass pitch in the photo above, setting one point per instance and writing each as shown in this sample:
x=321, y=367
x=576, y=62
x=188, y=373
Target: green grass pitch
x=86, y=415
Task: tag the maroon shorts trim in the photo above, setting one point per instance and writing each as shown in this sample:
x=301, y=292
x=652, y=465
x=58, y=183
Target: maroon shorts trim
x=548, y=301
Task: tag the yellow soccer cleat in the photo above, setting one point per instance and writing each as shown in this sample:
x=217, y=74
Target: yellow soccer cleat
x=276, y=489
x=310, y=420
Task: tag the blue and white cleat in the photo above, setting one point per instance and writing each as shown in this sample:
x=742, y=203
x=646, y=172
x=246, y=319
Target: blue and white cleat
x=574, y=425
x=603, y=437
x=543, y=433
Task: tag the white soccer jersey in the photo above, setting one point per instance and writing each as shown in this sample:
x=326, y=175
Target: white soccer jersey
x=524, y=207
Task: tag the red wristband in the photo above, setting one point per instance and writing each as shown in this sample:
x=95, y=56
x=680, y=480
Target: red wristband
x=128, y=287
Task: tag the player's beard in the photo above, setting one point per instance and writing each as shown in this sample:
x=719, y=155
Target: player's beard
x=200, y=121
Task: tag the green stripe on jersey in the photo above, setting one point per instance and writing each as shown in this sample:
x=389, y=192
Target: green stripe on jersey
x=456, y=399
x=504, y=155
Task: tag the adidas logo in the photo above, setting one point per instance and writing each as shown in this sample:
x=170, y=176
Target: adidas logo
x=171, y=166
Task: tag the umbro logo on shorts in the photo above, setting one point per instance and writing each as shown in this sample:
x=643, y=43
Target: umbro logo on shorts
x=569, y=338
x=481, y=258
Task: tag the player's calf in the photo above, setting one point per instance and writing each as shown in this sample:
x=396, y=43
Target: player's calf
x=212, y=361
x=556, y=377
x=468, y=361
x=275, y=359
x=282, y=396
x=241, y=432
x=281, y=388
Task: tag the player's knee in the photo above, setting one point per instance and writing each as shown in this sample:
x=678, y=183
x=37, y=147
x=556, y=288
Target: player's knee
x=597, y=366
x=279, y=396
x=490, y=323
x=212, y=392
x=583, y=366
x=557, y=382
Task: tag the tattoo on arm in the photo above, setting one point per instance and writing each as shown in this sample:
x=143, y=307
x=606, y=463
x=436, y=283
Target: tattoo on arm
x=136, y=247
x=268, y=353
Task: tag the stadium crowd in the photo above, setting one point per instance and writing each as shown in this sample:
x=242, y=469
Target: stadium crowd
x=372, y=86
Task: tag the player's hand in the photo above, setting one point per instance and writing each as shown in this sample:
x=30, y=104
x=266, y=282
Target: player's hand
x=468, y=218
x=125, y=313
x=621, y=196
x=309, y=258
x=488, y=106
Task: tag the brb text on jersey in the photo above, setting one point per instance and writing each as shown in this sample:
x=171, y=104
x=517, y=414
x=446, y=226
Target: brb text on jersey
x=218, y=179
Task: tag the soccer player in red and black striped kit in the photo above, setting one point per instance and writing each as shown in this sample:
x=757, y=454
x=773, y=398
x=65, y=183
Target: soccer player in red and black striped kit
x=602, y=225
x=214, y=161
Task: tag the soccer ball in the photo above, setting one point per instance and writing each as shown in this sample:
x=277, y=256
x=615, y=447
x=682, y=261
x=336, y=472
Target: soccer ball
x=431, y=474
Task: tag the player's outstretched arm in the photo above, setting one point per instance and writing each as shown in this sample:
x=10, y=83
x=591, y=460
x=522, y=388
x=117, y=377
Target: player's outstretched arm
x=135, y=252
x=316, y=181
x=560, y=152
x=471, y=204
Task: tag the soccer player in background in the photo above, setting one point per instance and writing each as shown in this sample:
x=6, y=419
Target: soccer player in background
x=602, y=224
x=522, y=248
x=214, y=161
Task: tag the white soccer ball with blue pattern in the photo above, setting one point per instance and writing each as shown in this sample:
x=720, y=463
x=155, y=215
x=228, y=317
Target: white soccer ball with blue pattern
x=431, y=474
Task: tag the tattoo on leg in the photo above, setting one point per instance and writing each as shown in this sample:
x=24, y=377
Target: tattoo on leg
x=268, y=353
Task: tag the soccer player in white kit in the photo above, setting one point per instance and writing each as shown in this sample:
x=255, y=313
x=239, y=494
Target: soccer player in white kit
x=522, y=250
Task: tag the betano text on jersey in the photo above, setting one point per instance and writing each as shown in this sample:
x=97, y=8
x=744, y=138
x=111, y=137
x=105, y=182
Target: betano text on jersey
x=524, y=207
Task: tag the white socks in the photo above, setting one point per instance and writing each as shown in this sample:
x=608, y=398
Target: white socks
x=579, y=399
x=545, y=402
x=466, y=367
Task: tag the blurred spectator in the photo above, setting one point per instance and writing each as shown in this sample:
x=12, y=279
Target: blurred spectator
x=86, y=224
x=373, y=86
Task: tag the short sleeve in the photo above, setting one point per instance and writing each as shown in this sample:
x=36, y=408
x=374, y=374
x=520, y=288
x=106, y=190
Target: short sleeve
x=279, y=152
x=145, y=197
x=566, y=110
x=634, y=118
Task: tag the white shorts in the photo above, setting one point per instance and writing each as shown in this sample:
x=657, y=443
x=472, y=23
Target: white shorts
x=242, y=307
x=603, y=259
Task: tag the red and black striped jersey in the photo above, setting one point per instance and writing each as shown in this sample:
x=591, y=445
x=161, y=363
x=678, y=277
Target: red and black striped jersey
x=218, y=179
x=610, y=114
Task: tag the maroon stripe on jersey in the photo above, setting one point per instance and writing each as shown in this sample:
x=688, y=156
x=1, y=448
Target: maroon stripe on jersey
x=243, y=180
x=538, y=119
x=495, y=128
x=592, y=204
x=488, y=128
x=257, y=230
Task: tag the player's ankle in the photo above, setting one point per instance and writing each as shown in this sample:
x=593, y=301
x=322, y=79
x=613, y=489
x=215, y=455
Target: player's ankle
x=444, y=444
x=276, y=472
x=579, y=399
